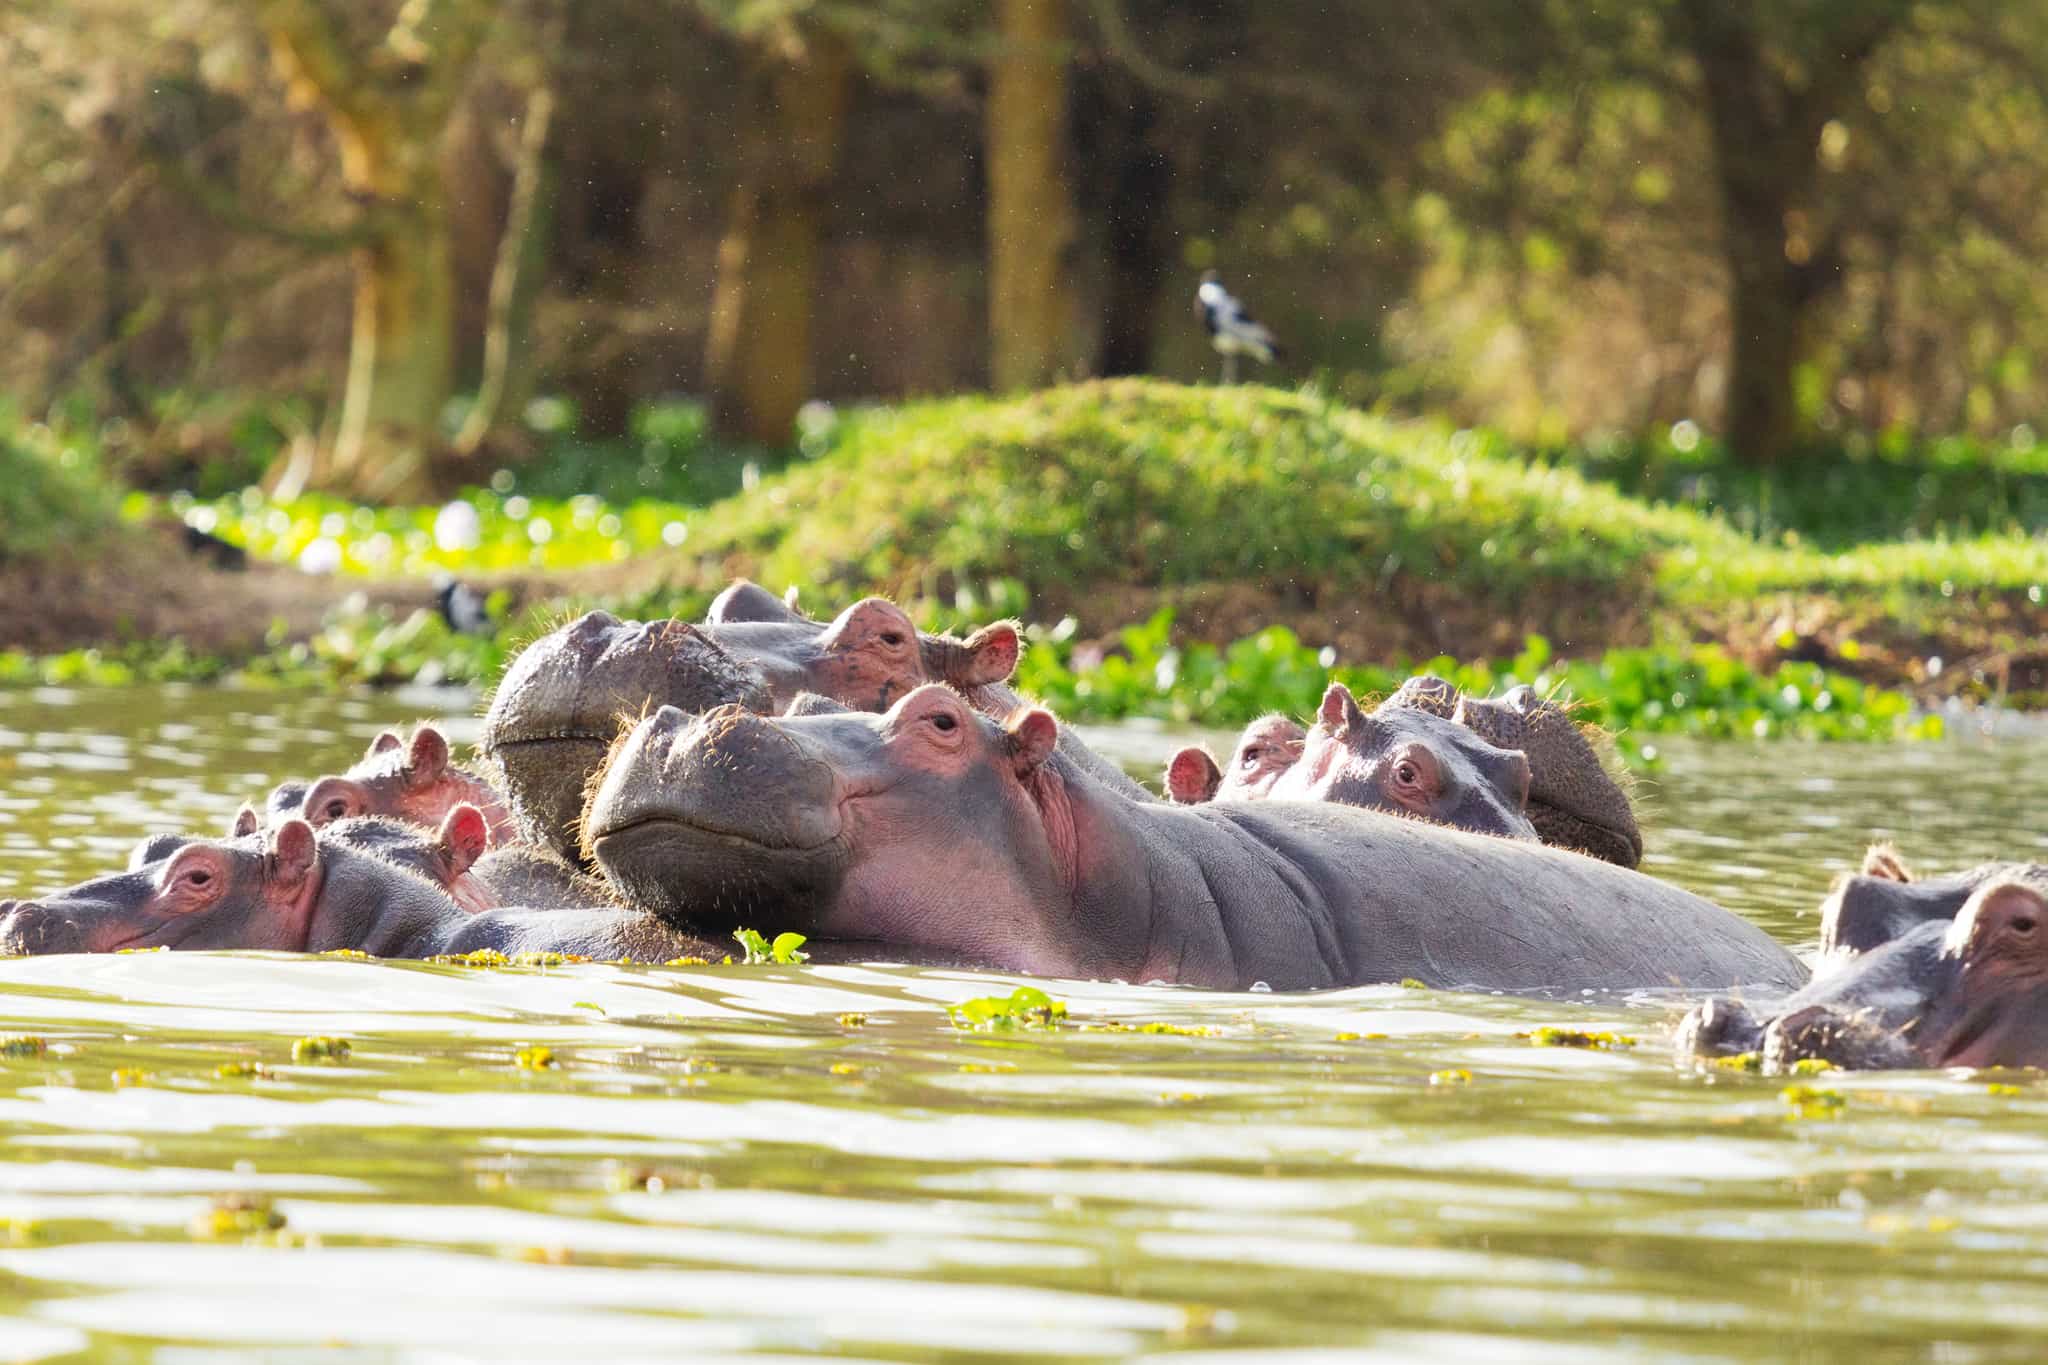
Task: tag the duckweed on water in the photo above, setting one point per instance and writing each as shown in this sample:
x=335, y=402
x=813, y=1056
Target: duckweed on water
x=1742, y=1061
x=1812, y=1066
x=320, y=1048
x=482, y=957
x=23, y=1048
x=1812, y=1102
x=783, y=950
x=2001, y=1088
x=1027, y=1007
x=1156, y=1026
x=534, y=1058
x=852, y=1019
x=545, y=959
x=347, y=954
x=238, y=1217
x=1349, y=1037
x=242, y=1071
x=1456, y=1075
x=1550, y=1036
x=687, y=962
x=124, y=1076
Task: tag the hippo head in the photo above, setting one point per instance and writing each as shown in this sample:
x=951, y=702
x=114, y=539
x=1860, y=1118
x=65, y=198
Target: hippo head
x=1408, y=760
x=1573, y=803
x=414, y=781
x=257, y=892
x=562, y=700
x=927, y=824
x=443, y=856
x=1268, y=747
x=1973, y=993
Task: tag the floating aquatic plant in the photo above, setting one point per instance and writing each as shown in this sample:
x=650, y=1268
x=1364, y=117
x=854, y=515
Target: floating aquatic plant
x=1024, y=1008
x=320, y=1048
x=782, y=950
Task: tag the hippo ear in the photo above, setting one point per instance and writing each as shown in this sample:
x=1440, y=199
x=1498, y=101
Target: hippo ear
x=1518, y=778
x=1030, y=737
x=1339, y=710
x=384, y=743
x=1882, y=860
x=247, y=821
x=463, y=837
x=294, y=852
x=992, y=654
x=1192, y=776
x=428, y=758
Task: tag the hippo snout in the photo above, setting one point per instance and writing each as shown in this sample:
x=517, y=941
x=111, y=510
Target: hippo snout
x=29, y=930
x=1719, y=1027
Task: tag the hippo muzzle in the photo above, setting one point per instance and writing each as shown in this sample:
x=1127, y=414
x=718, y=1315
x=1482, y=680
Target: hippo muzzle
x=562, y=701
x=717, y=819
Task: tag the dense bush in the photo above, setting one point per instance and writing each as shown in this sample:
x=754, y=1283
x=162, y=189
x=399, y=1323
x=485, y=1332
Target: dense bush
x=51, y=494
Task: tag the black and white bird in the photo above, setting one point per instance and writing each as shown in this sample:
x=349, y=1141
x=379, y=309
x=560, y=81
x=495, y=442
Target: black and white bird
x=462, y=607
x=1232, y=330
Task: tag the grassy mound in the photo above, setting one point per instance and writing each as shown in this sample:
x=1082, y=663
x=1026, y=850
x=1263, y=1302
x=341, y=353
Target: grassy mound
x=1144, y=484
x=1149, y=484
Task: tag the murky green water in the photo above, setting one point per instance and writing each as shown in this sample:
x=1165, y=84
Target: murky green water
x=718, y=1165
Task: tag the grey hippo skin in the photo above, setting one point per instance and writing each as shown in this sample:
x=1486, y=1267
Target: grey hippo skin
x=1572, y=801
x=457, y=857
x=296, y=889
x=932, y=826
x=1868, y=909
x=562, y=700
x=1409, y=762
x=1969, y=992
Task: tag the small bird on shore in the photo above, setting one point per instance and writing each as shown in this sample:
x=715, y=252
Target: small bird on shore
x=1232, y=330
x=462, y=607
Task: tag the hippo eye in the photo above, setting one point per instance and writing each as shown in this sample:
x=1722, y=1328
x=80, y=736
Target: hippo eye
x=1250, y=757
x=336, y=809
x=198, y=876
x=892, y=638
x=944, y=723
x=1405, y=774
x=2023, y=924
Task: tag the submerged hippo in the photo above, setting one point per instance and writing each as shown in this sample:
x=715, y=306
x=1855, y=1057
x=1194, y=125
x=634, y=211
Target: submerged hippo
x=1971, y=992
x=1409, y=761
x=1573, y=802
x=562, y=699
x=1265, y=749
x=414, y=781
x=293, y=888
x=933, y=826
x=457, y=857
x=1885, y=900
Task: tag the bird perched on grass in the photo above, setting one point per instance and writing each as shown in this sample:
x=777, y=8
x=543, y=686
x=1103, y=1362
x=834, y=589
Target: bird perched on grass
x=1232, y=330
x=462, y=607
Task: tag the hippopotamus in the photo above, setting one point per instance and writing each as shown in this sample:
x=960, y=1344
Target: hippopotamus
x=296, y=889
x=457, y=857
x=1573, y=803
x=1968, y=992
x=1885, y=900
x=413, y=781
x=1265, y=749
x=1409, y=761
x=931, y=825
x=561, y=702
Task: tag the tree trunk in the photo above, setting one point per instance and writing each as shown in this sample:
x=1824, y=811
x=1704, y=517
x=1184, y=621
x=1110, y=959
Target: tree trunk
x=758, y=353
x=1031, y=219
x=401, y=363
x=507, y=367
x=1141, y=176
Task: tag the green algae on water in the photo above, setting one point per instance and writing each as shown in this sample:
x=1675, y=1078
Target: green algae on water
x=1027, y=1007
x=24, y=1048
x=1551, y=1036
x=320, y=1048
x=237, y=1217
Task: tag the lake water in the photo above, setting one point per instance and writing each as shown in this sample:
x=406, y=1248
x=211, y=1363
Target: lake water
x=719, y=1164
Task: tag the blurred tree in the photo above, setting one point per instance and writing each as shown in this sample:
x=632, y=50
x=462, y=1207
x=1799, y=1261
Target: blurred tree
x=1032, y=311
x=386, y=93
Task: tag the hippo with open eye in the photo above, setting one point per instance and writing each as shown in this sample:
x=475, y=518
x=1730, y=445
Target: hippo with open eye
x=415, y=781
x=1968, y=992
x=1267, y=748
x=293, y=888
x=934, y=827
x=1870, y=908
x=559, y=707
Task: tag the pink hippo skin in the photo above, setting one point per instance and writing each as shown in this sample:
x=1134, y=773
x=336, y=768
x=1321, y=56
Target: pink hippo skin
x=1971, y=992
x=295, y=889
x=1267, y=748
x=415, y=782
x=933, y=826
